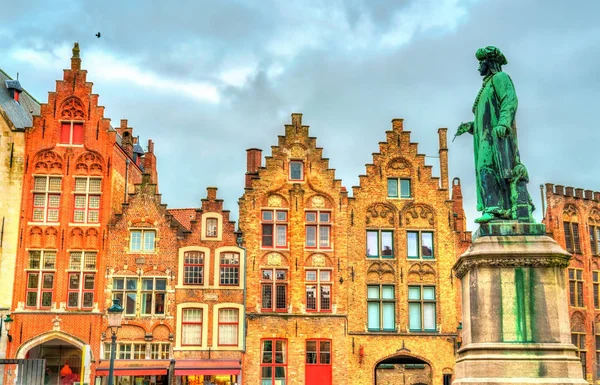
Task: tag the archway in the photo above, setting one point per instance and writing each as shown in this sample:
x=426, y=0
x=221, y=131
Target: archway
x=63, y=355
x=403, y=369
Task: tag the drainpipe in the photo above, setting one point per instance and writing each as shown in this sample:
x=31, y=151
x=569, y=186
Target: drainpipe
x=240, y=241
x=127, y=161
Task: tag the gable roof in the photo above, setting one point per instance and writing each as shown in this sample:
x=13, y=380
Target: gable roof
x=183, y=216
x=19, y=113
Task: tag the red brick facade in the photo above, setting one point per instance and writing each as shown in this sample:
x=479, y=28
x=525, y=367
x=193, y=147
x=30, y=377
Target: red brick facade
x=572, y=218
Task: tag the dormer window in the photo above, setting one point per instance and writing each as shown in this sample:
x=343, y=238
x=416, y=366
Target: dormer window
x=71, y=133
x=296, y=170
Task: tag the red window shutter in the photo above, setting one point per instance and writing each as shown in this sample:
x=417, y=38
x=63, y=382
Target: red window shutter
x=77, y=133
x=65, y=133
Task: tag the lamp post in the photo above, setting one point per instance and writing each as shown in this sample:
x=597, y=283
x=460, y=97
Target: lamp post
x=115, y=316
x=7, y=324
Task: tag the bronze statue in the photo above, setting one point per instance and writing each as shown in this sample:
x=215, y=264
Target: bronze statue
x=501, y=177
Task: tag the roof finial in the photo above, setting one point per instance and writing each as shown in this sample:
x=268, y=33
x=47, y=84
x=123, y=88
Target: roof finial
x=76, y=50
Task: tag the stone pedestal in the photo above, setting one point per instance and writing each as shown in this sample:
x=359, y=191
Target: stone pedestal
x=515, y=315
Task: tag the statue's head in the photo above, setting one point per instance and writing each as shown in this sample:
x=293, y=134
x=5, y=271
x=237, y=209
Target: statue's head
x=491, y=60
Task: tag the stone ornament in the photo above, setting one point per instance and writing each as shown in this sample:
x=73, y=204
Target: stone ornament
x=48, y=161
x=418, y=213
x=318, y=260
x=318, y=201
x=274, y=259
x=72, y=109
x=465, y=265
x=89, y=162
x=297, y=152
x=400, y=166
x=381, y=213
x=423, y=270
x=274, y=201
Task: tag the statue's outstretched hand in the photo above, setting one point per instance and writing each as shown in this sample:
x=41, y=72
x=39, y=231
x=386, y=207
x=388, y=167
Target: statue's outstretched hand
x=464, y=128
x=501, y=131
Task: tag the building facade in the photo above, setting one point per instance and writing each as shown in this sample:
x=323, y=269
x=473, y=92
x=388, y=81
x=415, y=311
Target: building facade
x=572, y=218
x=77, y=171
x=17, y=108
x=404, y=236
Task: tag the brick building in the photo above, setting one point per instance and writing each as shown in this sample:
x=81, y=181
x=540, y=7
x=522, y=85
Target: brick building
x=77, y=171
x=404, y=236
x=293, y=218
x=572, y=218
x=17, y=108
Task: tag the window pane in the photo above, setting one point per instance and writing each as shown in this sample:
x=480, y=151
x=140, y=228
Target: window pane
x=413, y=244
x=388, y=316
x=325, y=297
x=95, y=185
x=325, y=275
x=393, y=188
x=192, y=315
x=387, y=292
x=53, y=200
x=33, y=280
x=94, y=202
x=161, y=284
x=132, y=283
x=427, y=245
x=136, y=240
x=267, y=215
x=414, y=311
x=228, y=334
x=373, y=292
x=372, y=243
x=296, y=170
x=79, y=201
x=48, y=281
x=32, y=298
x=267, y=235
x=88, y=299
x=88, y=281
x=281, y=216
x=149, y=240
x=146, y=305
x=267, y=356
x=74, y=281
x=414, y=292
x=324, y=217
x=280, y=352
x=159, y=303
x=311, y=297
x=211, y=227
x=39, y=183
x=373, y=313
x=75, y=262
x=405, y=188
x=46, y=299
x=34, y=259
x=311, y=216
x=147, y=284
x=281, y=235
x=429, y=316
x=89, y=262
x=311, y=236
x=118, y=284
x=281, y=297
x=191, y=334
x=80, y=184
x=387, y=244
x=130, y=305
x=267, y=296
x=429, y=292
x=49, y=260
x=324, y=236
x=54, y=184
x=228, y=315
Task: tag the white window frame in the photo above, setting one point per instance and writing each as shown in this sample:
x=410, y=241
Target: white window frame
x=46, y=194
x=88, y=197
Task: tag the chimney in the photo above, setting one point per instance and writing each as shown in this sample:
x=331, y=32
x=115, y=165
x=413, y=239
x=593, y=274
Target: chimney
x=150, y=163
x=398, y=124
x=75, y=59
x=253, y=163
x=460, y=222
x=443, y=137
x=126, y=138
x=211, y=193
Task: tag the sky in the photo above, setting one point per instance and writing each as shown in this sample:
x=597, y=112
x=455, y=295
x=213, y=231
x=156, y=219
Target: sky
x=206, y=80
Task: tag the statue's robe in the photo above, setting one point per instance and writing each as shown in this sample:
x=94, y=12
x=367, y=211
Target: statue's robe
x=495, y=158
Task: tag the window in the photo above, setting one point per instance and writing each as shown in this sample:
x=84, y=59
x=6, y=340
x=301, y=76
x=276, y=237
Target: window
x=71, y=133
x=318, y=352
x=154, y=291
x=82, y=266
x=318, y=290
x=381, y=307
x=139, y=351
x=597, y=355
x=142, y=241
x=596, y=282
x=40, y=278
x=211, y=227
x=193, y=268
x=191, y=327
x=274, y=290
x=273, y=363
x=578, y=339
x=318, y=229
x=125, y=289
x=380, y=244
x=420, y=245
x=87, y=200
x=572, y=237
x=230, y=269
x=576, y=287
x=403, y=192
x=595, y=239
x=160, y=351
x=421, y=308
x=46, y=198
x=296, y=170
x=274, y=228
x=228, y=327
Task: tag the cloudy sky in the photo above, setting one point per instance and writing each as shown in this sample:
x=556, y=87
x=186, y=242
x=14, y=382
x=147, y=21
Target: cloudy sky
x=208, y=79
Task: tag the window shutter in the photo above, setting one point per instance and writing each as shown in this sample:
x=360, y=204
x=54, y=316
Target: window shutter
x=65, y=133
x=77, y=133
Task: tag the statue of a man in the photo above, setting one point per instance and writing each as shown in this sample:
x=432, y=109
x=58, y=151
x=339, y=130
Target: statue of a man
x=501, y=177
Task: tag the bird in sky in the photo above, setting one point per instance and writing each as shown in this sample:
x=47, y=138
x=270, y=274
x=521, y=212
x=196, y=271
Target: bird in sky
x=98, y=35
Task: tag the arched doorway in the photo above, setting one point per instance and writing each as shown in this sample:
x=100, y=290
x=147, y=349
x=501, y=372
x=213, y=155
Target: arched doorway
x=403, y=370
x=63, y=355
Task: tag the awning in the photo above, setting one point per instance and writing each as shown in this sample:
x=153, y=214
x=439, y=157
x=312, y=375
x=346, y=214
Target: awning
x=134, y=367
x=207, y=367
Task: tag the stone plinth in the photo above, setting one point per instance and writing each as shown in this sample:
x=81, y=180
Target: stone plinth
x=515, y=315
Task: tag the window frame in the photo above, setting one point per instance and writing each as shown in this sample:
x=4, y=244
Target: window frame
x=183, y=323
x=154, y=294
x=419, y=235
x=318, y=284
x=274, y=364
x=576, y=287
x=72, y=123
x=225, y=323
x=87, y=195
x=274, y=283
x=596, y=289
x=142, y=249
x=572, y=237
x=595, y=239
x=317, y=225
x=212, y=225
x=379, y=233
x=399, y=194
x=44, y=269
x=296, y=162
x=578, y=339
x=46, y=194
x=229, y=268
x=318, y=352
x=380, y=301
x=162, y=348
x=274, y=224
x=124, y=293
x=422, y=302
x=82, y=271
x=201, y=266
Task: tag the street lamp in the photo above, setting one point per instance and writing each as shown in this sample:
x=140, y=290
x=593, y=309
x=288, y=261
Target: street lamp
x=7, y=324
x=115, y=315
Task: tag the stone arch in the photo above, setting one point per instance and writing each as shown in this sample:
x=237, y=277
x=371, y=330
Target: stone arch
x=51, y=238
x=319, y=201
x=132, y=331
x=276, y=201
x=91, y=238
x=570, y=213
x=594, y=217
x=47, y=162
x=90, y=162
x=381, y=215
x=76, y=238
x=399, y=167
x=421, y=272
x=381, y=271
x=48, y=336
x=578, y=322
x=274, y=259
x=161, y=331
x=72, y=109
x=35, y=236
x=419, y=215
x=318, y=260
x=405, y=356
x=152, y=272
